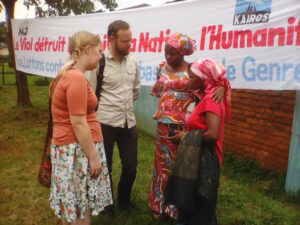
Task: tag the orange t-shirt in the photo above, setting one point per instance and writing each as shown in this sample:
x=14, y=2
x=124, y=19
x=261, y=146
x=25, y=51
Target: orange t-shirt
x=73, y=96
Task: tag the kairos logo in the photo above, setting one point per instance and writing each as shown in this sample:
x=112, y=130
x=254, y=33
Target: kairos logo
x=23, y=29
x=252, y=11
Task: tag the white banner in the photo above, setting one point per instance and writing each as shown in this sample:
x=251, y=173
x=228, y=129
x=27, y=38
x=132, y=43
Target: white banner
x=258, y=41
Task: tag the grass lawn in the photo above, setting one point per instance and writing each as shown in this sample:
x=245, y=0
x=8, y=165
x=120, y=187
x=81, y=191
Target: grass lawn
x=247, y=195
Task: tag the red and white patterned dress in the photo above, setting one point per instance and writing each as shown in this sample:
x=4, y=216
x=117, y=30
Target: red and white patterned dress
x=174, y=99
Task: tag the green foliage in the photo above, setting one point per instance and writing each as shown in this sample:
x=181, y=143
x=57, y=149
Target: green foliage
x=3, y=33
x=67, y=7
x=42, y=81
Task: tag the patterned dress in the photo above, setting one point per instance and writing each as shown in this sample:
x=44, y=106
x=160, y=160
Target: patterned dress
x=74, y=193
x=174, y=99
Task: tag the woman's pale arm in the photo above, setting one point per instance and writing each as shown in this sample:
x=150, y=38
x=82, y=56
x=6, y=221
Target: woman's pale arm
x=213, y=127
x=84, y=137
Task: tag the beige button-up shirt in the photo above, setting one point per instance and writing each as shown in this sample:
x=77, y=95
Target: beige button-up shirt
x=120, y=88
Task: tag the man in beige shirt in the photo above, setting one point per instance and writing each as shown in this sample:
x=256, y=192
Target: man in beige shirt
x=120, y=88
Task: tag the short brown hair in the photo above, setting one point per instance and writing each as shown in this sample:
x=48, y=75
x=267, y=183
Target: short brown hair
x=115, y=26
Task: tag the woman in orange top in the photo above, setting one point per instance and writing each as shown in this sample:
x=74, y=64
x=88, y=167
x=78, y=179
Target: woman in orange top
x=80, y=182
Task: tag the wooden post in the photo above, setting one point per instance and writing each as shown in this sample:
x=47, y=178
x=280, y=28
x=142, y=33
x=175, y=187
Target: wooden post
x=3, y=73
x=292, y=183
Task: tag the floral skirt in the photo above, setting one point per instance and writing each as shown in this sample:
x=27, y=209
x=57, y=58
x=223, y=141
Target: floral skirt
x=165, y=153
x=74, y=193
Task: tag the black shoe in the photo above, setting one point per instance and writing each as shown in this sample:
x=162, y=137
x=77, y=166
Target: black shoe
x=128, y=206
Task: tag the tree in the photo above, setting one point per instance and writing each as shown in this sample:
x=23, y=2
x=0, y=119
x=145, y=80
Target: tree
x=55, y=7
x=66, y=7
x=21, y=80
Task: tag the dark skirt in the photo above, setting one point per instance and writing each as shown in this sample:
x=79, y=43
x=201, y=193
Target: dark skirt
x=194, y=180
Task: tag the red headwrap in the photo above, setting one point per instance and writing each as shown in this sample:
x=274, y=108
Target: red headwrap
x=183, y=43
x=213, y=74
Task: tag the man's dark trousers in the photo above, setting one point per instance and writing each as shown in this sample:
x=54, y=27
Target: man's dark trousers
x=126, y=139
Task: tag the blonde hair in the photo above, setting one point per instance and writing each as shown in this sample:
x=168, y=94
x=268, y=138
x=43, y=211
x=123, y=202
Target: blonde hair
x=78, y=42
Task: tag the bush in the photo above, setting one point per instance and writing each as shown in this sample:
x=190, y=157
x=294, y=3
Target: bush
x=42, y=82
